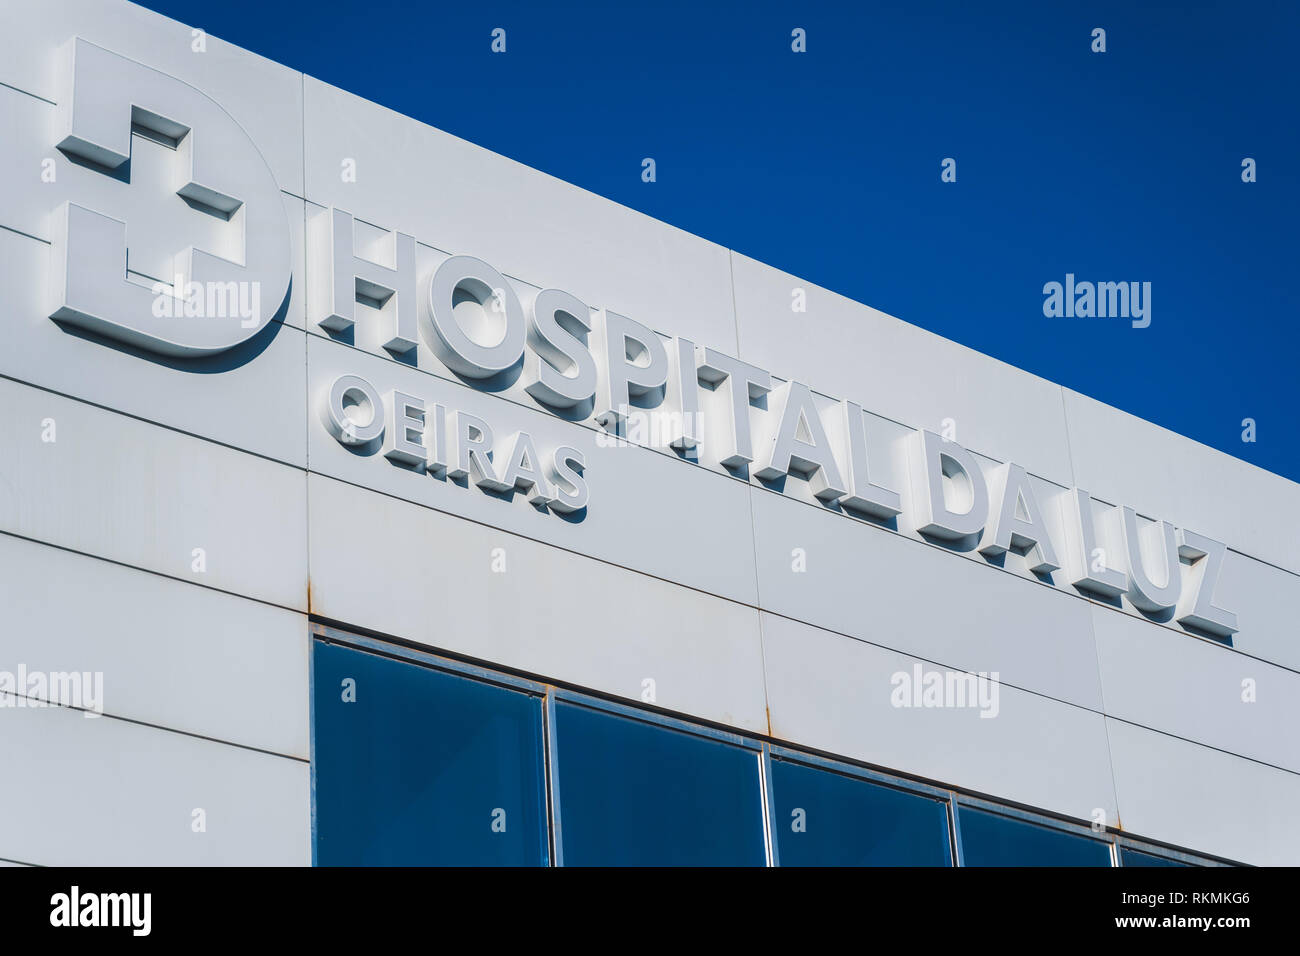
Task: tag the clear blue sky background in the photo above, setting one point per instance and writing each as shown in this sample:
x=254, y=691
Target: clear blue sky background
x=1120, y=166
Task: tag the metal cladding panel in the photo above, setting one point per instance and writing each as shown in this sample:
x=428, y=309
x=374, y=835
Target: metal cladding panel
x=638, y=514
x=1193, y=796
x=1266, y=597
x=118, y=488
x=256, y=806
x=255, y=401
x=1198, y=690
x=837, y=694
x=466, y=588
x=847, y=576
x=170, y=653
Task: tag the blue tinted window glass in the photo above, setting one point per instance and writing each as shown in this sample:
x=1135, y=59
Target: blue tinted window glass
x=422, y=765
x=1138, y=858
x=828, y=819
x=633, y=793
x=990, y=839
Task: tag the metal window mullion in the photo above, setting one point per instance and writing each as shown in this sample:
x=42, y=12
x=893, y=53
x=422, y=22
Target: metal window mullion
x=552, y=782
x=769, y=807
x=954, y=831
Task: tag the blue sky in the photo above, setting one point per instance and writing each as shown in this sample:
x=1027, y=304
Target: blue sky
x=1122, y=166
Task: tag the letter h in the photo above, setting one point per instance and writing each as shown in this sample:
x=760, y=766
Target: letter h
x=380, y=273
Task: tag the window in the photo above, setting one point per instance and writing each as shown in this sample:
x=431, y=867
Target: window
x=417, y=766
x=991, y=839
x=1131, y=857
x=634, y=793
x=418, y=760
x=825, y=818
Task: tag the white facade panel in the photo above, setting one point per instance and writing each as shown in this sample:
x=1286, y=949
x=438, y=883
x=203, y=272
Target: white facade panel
x=394, y=567
x=911, y=597
x=1265, y=598
x=116, y=793
x=171, y=654
x=833, y=693
x=254, y=400
x=1195, y=689
x=642, y=507
x=121, y=489
x=1189, y=795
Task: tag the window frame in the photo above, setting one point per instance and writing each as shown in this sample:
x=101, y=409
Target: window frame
x=658, y=719
x=1125, y=842
x=764, y=750
x=865, y=774
x=1037, y=818
x=406, y=654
